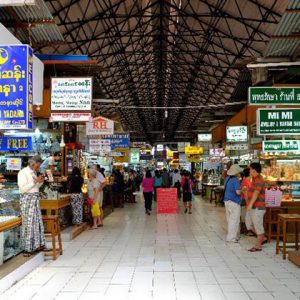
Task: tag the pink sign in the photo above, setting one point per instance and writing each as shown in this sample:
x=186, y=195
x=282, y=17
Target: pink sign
x=167, y=201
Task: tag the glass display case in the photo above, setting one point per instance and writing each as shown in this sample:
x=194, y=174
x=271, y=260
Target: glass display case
x=10, y=221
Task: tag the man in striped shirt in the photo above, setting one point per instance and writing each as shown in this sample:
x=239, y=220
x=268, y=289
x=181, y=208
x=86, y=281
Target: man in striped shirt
x=256, y=206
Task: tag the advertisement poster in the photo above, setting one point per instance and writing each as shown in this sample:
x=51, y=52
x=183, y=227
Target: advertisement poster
x=16, y=87
x=167, y=201
x=14, y=164
x=71, y=93
x=100, y=126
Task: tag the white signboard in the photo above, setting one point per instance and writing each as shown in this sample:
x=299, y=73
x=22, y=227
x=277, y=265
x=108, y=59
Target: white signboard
x=182, y=145
x=243, y=146
x=71, y=93
x=116, y=154
x=100, y=126
x=204, y=137
x=13, y=164
x=16, y=2
x=70, y=117
x=217, y=152
x=99, y=148
x=97, y=142
x=236, y=134
x=135, y=155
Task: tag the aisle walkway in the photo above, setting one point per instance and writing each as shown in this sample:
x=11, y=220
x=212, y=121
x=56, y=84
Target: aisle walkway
x=135, y=256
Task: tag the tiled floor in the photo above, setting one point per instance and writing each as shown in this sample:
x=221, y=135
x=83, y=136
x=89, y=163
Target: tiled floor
x=135, y=256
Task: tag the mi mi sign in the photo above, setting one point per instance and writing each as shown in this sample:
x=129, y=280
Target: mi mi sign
x=278, y=121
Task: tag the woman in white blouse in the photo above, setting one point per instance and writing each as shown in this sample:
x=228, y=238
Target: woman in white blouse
x=29, y=183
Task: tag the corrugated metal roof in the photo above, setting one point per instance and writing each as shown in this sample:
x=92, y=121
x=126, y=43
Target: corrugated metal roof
x=287, y=26
x=34, y=12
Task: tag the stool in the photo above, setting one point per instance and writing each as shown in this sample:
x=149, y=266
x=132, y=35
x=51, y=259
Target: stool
x=283, y=220
x=52, y=222
x=212, y=195
x=203, y=191
x=271, y=218
x=219, y=196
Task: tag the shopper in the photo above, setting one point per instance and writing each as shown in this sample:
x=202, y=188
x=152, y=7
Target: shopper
x=148, y=186
x=118, y=188
x=94, y=194
x=232, y=200
x=165, y=179
x=246, y=183
x=256, y=206
x=187, y=184
x=176, y=182
x=130, y=188
x=32, y=232
x=75, y=182
x=49, y=163
x=157, y=183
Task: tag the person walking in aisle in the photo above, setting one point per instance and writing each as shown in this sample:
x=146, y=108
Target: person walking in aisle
x=246, y=183
x=148, y=185
x=32, y=230
x=187, y=185
x=232, y=200
x=157, y=183
x=256, y=207
x=176, y=179
x=93, y=187
x=165, y=179
x=75, y=182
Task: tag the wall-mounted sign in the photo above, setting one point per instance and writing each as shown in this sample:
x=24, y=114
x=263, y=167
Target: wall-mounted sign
x=71, y=93
x=217, y=152
x=118, y=140
x=274, y=96
x=13, y=143
x=204, y=137
x=16, y=87
x=135, y=155
x=279, y=121
x=193, y=150
x=242, y=146
x=97, y=142
x=236, y=134
x=140, y=145
x=281, y=146
x=13, y=164
x=100, y=126
x=70, y=117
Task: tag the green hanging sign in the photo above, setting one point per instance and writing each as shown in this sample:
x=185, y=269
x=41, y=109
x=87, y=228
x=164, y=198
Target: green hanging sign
x=274, y=96
x=279, y=121
x=281, y=146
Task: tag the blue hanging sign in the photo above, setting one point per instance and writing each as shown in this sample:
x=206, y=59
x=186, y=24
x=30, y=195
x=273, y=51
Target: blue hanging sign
x=118, y=140
x=16, y=87
x=15, y=143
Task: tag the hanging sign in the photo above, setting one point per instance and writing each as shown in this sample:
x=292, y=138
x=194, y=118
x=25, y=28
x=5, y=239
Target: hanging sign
x=193, y=150
x=70, y=117
x=182, y=145
x=98, y=142
x=100, y=126
x=274, y=96
x=279, y=121
x=217, y=152
x=281, y=146
x=140, y=145
x=236, y=134
x=204, y=137
x=99, y=148
x=135, y=156
x=17, y=2
x=71, y=93
x=16, y=87
x=13, y=143
x=121, y=155
x=242, y=146
x=118, y=140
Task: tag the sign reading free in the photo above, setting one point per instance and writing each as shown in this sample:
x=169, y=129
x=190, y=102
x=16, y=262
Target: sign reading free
x=273, y=96
x=281, y=146
x=12, y=143
x=278, y=121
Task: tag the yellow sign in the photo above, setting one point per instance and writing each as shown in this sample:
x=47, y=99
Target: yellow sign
x=193, y=150
x=124, y=158
x=193, y=158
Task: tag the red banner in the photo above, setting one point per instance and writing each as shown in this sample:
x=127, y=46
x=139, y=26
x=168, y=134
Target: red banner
x=167, y=201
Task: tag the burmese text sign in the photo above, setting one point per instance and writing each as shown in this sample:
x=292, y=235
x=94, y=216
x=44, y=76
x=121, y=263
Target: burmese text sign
x=274, y=96
x=167, y=201
x=280, y=121
x=281, y=146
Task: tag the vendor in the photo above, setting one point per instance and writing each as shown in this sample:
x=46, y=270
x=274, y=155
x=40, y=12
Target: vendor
x=49, y=163
x=32, y=225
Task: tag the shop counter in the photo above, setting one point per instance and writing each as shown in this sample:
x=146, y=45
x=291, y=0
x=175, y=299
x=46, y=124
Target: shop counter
x=9, y=222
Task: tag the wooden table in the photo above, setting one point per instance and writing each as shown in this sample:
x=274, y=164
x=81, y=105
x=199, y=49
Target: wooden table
x=208, y=189
x=54, y=205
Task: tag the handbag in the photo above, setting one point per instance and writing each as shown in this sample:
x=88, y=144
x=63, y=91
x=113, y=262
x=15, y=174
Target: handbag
x=90, y=201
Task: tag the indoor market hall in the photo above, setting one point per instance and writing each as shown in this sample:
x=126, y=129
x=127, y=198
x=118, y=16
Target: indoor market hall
x=149, y=149
x=161, y=256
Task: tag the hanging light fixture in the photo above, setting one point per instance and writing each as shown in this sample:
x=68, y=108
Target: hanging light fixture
x=62, y=142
